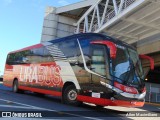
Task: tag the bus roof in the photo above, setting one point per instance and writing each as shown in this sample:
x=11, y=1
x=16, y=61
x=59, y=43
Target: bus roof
x=27, y=48
x=116, y=41
x=112, y=39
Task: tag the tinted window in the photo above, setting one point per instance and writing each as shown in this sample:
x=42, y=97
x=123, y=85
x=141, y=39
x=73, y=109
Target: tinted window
x=69, y=50
x=47, y=57
x=85, y=42
x=17, y=58
x=35, y=55
x=38, y=55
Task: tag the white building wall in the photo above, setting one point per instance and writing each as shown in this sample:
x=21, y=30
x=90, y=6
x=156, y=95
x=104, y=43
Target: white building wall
x=56, y=26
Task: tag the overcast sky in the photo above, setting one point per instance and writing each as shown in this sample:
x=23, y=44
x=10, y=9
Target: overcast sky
x=21, y=23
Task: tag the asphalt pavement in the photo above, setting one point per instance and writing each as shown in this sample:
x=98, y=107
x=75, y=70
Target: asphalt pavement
x=23, y=105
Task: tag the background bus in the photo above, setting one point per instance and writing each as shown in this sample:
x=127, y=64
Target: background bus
x=89, y=67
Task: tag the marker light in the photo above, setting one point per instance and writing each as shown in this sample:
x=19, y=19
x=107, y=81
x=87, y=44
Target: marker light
x=126, y=88
x=146, y=79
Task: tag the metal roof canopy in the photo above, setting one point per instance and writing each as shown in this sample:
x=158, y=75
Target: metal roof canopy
x=75, y=10
x=128, y=20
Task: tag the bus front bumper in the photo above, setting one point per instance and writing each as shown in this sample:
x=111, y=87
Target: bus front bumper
x=110, y=102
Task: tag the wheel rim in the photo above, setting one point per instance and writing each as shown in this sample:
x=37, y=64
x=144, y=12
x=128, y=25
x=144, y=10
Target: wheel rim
x=72, y=95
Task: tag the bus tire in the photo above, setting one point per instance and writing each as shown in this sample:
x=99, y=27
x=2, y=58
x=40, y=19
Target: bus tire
x=70, y=95
x=15, y=86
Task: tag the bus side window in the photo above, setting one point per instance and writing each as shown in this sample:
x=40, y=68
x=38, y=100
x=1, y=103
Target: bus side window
x=38, y=55
x=18, y=58
x=23, y=57
x=47, y=57
x=35, y=55
x=69, y=49
x=10, y=59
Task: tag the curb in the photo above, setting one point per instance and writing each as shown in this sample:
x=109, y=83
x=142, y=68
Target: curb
x=156, y=104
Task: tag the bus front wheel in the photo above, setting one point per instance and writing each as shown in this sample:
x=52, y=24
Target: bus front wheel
x=70, y=95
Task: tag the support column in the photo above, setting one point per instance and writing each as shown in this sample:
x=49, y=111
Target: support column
x=56, y=26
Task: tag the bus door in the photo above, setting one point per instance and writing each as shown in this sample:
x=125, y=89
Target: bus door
x=99, y=66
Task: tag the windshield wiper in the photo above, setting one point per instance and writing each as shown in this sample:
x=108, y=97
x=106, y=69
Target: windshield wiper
x=133, y=72
x=130, y=70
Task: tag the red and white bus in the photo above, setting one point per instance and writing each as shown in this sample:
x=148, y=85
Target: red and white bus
x=89, y=67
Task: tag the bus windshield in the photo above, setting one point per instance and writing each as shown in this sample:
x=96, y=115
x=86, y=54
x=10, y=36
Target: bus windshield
x=126, y=67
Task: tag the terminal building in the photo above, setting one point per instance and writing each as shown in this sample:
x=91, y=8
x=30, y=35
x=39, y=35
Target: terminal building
x=136, y=22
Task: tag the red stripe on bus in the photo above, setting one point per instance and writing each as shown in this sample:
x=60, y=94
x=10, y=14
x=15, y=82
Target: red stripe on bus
x=108, y=102
x=49, y=92
x=28, y=48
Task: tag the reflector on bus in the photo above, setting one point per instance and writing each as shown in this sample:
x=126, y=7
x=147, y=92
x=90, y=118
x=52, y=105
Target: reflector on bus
x=110, y=45
x=126, y=88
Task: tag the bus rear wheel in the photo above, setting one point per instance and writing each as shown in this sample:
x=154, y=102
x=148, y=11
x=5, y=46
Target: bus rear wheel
x=70, y=95
x=15, y=86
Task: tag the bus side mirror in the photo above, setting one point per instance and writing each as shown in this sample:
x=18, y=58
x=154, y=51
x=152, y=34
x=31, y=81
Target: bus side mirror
x=112, y=47
x=151, y=60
